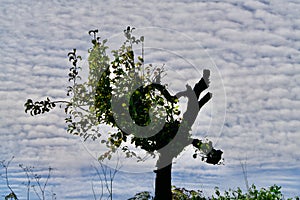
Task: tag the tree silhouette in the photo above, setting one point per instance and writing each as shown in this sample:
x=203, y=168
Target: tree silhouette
x=128, y=96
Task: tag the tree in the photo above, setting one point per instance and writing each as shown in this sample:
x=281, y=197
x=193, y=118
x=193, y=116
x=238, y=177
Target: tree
x=128, y=96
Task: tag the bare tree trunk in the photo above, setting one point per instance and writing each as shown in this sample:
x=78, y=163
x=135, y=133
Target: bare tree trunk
x=163, y=189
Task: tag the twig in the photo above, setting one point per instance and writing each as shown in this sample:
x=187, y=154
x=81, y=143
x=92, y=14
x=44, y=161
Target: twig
x=108, y=181
x=6, y=176
x=41, y=187
x=26, y=170
x=94, y=194
x=98, y=173
x=244, y=168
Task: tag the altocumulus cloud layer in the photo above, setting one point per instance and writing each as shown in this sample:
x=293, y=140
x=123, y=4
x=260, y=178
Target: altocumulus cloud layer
x=254, y=44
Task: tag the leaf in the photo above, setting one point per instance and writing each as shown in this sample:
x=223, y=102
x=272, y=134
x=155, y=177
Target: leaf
x=142, y=38
x=71, y=58
x=11, y=195
x=71, y=53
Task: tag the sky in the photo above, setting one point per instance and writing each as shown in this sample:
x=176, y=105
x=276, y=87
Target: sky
x=252, y=49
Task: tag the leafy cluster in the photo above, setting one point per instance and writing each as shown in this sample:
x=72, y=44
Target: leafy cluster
x=185, y=194
x=74, y=70
x=39, y=107
x=121, y=77
x=271, y=193
x=142, y=196
x=123, y=81
x=91, y=101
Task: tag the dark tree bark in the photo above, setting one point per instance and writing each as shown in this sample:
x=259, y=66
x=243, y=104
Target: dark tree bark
x=163, y=190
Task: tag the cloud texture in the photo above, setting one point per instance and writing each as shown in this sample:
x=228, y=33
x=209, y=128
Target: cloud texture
x=251, y=47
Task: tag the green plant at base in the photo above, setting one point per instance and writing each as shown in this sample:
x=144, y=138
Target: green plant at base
x=184, y=194
x=142, y=196
x=271, y=193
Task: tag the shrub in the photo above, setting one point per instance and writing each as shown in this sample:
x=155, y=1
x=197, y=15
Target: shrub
x=271, y=193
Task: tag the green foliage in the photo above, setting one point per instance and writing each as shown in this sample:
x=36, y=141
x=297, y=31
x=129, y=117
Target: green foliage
x=271, y=193
x=115, y=80
x=39, y=107
x=296, y=198
x=11, y=196
x=184, y=194
x=121, y=77
x=90, y=103
x=142, y=196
